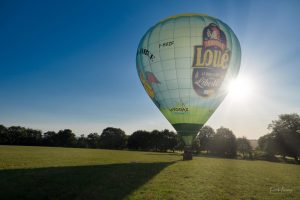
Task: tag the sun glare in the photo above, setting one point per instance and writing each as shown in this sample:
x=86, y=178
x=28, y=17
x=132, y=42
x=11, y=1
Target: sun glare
x=240, y=89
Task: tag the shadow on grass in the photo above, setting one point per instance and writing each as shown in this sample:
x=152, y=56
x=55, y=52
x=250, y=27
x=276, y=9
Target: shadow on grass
x=114, y=181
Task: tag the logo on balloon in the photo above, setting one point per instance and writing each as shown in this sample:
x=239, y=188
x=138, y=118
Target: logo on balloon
x=150, y=79
x=180, y=108
x=147, y=86
x=211, y=61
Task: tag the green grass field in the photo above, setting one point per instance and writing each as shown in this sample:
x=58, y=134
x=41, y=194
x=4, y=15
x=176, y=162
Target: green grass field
x=69, y=173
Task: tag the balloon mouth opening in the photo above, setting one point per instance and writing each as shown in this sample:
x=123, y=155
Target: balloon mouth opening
x=187, y=131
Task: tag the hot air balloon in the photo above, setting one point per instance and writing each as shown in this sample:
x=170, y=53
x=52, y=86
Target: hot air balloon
x=185, y=63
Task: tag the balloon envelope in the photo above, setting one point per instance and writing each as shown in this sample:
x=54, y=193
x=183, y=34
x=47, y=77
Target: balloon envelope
x=185, y=63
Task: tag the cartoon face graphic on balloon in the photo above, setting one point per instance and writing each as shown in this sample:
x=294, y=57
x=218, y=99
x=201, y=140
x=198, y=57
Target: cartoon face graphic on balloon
x=185, y=63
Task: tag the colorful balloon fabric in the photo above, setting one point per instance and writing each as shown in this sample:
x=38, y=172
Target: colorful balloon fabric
x=185, y=63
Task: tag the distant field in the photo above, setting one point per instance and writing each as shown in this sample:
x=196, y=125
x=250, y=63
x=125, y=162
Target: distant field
x=70, y=173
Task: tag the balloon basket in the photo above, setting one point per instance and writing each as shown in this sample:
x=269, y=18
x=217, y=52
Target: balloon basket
x=187, y=154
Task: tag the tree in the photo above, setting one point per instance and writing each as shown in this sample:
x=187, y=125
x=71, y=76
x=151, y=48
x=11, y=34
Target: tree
x=50, y=138
x=16, y=134
x=167, y=140
x=269, y=144
x=179, y=143
x=154, y=140
x=172, y=140
x=113, y=138
x=286, y=135
x=32, y=137
x=93, y=140
x=243, y=146
x=196, y=145
x=224, y=143
x=3, y=135
x=139, y=140
x=65, y=138
x=205, y=137
x=82, y=141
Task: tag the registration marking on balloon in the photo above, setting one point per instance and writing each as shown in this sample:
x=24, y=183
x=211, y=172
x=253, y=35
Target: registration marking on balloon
x=166, y=44
x=210, y=61
x=146, y=52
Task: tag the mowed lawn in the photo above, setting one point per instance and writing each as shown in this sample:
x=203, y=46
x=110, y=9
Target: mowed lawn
x=70, y=173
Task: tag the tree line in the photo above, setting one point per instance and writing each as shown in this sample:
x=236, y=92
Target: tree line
x=110, y=138
x=283, y=140
x=221, y=143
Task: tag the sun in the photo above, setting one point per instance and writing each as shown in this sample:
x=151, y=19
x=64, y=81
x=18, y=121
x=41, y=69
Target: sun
x=241, y=89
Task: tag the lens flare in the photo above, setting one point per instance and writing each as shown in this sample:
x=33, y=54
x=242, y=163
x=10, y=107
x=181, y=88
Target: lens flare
x=240, y=89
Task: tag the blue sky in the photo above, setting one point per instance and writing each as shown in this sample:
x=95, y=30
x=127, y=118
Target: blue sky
x=71, y=64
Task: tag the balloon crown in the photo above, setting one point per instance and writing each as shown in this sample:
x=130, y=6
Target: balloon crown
x=185, y=15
